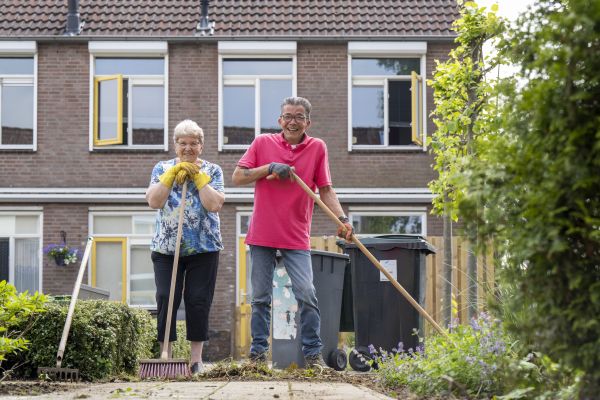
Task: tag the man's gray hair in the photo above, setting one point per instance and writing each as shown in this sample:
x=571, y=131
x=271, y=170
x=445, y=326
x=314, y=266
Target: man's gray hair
x=188, y=128
x=297, y=101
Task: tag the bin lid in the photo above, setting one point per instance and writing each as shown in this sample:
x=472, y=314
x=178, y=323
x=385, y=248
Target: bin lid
x=329, y=254
x=388, y=242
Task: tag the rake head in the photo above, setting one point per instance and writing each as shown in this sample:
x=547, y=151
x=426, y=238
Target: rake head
x=168, y=369
x=59, y=374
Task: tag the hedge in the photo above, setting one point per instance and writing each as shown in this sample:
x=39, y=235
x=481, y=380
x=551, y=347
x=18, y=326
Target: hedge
x=106, y=339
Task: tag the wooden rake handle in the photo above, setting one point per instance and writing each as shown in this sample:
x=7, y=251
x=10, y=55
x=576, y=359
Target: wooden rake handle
x=165, y=352
x=370, y=256
x=67, y=327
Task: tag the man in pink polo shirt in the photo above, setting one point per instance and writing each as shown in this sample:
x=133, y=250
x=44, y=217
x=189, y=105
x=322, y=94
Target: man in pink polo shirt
x=281, y=221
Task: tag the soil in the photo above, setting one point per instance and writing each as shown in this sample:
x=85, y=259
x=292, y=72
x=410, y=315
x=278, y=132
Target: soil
x=29, y=388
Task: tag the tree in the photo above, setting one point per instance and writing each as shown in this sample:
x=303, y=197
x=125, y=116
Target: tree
x=463, y=116
x=539, y=179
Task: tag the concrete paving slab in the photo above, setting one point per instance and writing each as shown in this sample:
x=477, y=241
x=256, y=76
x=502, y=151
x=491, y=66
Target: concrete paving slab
x=214, y=390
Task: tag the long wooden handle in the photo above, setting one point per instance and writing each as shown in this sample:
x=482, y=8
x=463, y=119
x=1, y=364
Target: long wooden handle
x=165, y=352
x=67, y=327
x=370, y=256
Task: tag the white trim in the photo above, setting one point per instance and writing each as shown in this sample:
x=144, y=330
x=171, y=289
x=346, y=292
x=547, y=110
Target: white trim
x=220, y=132
x=166, y=105
x=29, y=211
x=20, y=210
x=19, y=47
x=91, y=103
x=424, y=100
x=29, y=49
x=233, y=194
x=387, y=48
x=386, y=208
x=130, y=48
x=375, y=212
x=256, y=48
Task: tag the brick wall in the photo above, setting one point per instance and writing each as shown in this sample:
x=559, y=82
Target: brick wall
x=63, y=159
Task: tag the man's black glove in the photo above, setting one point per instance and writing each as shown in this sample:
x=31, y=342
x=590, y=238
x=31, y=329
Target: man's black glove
x=280, y=171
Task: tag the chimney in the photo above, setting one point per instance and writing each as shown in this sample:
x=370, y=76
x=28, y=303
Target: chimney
x=205, y=26
x=74, y=24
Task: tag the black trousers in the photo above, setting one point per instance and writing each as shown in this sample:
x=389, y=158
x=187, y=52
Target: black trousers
x=196, y=277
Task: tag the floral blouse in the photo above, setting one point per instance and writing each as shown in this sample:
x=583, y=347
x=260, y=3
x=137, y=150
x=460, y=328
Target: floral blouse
x=201, y=228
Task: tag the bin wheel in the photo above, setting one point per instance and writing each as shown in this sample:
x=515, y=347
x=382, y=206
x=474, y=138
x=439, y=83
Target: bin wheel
x=359, y=358
x=338, y=359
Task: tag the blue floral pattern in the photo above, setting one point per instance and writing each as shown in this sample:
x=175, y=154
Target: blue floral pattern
x=201, y=228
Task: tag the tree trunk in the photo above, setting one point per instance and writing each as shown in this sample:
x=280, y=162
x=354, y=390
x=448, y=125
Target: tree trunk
x=472, y=279
x=447, y=297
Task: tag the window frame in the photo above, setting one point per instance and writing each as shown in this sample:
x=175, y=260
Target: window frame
x=98, y=49
x=25, y=49
x=128, y=240
x=394, y=50
x=36, y=212
x=251, y=51
x=389, y=212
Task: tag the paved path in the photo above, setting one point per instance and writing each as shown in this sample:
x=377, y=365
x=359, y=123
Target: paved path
x=212, y=390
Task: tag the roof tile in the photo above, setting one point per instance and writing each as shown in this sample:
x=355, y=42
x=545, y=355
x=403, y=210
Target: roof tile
x=250, y=18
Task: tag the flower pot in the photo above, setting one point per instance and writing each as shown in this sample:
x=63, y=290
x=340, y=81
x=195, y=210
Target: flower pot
x=59, y=259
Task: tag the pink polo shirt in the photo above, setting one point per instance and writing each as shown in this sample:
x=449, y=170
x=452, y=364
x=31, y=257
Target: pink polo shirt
x=282, y=210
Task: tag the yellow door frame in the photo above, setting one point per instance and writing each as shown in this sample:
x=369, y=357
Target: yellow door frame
x=123, y=242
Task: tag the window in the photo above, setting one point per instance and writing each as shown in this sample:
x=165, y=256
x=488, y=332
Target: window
x=121, y=260
x=251, y=90
x=20, y=251
x=17, y=95
x=386, y=107
x=374, y=222
x=129, y=102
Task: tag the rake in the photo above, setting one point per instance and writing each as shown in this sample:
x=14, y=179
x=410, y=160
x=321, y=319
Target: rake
x=59, y=373
x=166, y=367
x=372, y=258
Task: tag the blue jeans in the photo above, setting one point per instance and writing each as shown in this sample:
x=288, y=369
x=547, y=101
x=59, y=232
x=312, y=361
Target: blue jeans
x=299, y=268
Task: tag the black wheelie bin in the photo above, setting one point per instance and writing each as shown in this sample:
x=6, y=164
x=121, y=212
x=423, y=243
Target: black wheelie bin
x=382, y=316
x=328, y=278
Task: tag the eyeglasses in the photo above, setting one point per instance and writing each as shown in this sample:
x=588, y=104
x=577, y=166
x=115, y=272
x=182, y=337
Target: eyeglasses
x=298, y=117
x=188, y=145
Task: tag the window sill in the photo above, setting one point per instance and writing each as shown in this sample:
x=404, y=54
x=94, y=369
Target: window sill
x=17, y=149
x=129, y=150
x=388, y=149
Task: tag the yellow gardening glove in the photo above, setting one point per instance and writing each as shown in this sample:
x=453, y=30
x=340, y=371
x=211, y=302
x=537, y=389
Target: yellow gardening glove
x=191, y=168
x=201, y=179
x=186, y=170
x=168, y=177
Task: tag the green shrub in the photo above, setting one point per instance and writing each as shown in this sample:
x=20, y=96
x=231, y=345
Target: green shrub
x=469, y=364
x=16, y=312
x=106, y=339
x=479, y=361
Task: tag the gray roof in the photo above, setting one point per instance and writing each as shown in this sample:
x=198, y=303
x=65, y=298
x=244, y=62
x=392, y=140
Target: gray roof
x=234, y=18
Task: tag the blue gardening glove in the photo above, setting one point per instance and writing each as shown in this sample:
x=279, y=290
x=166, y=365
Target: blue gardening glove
x=280, y=171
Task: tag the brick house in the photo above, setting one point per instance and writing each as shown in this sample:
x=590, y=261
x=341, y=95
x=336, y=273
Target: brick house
x=85, y=116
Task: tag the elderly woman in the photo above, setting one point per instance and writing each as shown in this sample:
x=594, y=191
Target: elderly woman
x=201, y=239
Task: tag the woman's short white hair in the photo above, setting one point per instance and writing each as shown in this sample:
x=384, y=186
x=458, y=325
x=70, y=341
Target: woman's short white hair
x=188, y=128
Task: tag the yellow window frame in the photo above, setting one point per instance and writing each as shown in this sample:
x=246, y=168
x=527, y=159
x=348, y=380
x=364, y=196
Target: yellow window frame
x=416, y=91
x=119, y=138
x=123, y=241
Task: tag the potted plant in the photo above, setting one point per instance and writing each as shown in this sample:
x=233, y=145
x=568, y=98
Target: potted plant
x=61, y=254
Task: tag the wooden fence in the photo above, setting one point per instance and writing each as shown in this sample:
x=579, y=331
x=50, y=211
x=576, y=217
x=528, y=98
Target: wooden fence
x=434, y=286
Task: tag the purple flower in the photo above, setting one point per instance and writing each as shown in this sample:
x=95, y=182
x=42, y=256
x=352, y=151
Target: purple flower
x=475, y=325
x=372, y=349
x=399, y=348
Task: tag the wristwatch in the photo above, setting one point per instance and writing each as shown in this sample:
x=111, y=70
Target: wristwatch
x=343, y=219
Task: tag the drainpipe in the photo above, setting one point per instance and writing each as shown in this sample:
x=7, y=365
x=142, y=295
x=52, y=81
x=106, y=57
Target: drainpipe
x=205, y=26
x=74, y=24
